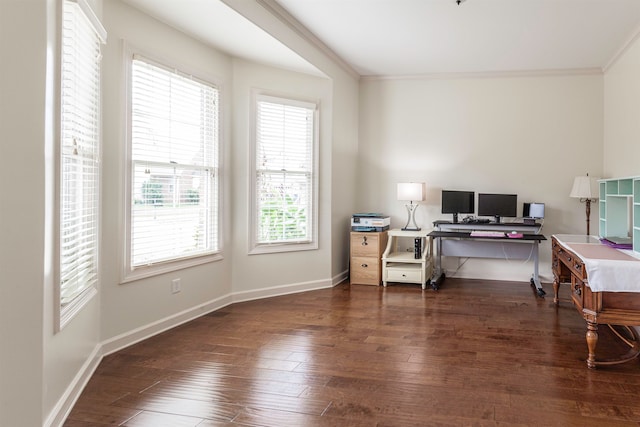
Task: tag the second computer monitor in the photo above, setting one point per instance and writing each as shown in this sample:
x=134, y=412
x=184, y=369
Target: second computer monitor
x=533, y=210
x=497, y=205
x=458, y=202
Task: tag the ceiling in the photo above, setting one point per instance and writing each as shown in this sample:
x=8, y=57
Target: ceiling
x=423, y=37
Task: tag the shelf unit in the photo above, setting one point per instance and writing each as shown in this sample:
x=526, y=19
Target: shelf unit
x=402, y=266
x=619, y=209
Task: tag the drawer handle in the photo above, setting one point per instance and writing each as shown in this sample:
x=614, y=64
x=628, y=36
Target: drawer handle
x=364, y=241
x=578, y=266
x=578, y=290
x=568, y=259
x=364, y=265
x=404, y=275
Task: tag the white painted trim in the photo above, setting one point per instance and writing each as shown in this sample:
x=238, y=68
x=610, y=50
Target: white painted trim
x=274, y=8
x=336, y=280
x=489, y=74
x=280, y=290
x=144, y=332
x=64, y=405
x=623, y=49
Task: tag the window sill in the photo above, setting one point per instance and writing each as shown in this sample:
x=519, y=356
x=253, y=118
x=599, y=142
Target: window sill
x=282, y=247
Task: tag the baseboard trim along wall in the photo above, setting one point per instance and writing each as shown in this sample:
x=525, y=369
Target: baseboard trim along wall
x=62, y=409
x=65, y=404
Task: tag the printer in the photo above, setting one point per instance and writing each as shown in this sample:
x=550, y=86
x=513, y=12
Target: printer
x=370, y=222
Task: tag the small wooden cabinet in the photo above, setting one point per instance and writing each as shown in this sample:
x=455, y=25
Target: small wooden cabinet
x=366, y=251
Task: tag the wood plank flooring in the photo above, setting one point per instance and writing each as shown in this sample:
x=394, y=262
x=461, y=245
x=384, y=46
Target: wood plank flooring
x=474, y=353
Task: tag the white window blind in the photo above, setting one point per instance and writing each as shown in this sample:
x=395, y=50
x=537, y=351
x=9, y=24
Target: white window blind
x=174, y=154
x=79, y=169
x=284, y=175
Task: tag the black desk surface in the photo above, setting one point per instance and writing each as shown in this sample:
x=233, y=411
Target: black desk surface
x=467, y=235
x=499, y=224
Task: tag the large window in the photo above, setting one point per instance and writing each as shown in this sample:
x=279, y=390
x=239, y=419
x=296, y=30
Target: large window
x=79, y=158
x=173, y=201
x=284, y=175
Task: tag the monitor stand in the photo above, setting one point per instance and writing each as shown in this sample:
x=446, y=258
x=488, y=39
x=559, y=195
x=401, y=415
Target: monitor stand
x=497, y=219
x=455, y=218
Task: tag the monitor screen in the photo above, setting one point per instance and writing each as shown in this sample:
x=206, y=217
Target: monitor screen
x=533, y=210
x=497, y=205
x=457, y=202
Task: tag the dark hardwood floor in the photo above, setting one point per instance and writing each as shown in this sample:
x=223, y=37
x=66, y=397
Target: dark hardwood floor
x=475, y=353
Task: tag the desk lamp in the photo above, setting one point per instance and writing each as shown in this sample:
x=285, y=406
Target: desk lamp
x=411, y=191
x=584, y=188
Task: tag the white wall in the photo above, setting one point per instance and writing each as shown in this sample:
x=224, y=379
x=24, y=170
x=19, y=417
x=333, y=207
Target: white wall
x=36, y=365
x=22, y=253
x=622, y=115
x=126, y=307
x=525, y=135
x=342, y=122
x=312, y=267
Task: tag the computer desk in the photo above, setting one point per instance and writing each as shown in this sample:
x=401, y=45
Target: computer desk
x=454, y=239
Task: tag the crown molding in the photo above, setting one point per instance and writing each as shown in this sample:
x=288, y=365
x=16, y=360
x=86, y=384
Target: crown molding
x=275, y=9
x=488, y=74
x=635, y=34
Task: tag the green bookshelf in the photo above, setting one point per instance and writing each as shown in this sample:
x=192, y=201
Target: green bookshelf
x=619, y=209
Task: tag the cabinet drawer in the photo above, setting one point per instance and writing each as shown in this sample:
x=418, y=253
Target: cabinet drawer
x=577, y=293
x=365, y=271
x=407, y=273
x=572, y=262
x=365, y=244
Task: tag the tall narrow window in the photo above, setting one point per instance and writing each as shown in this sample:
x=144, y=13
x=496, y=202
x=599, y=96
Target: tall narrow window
x=79, y=166
x=284, y=200
x=173, y=206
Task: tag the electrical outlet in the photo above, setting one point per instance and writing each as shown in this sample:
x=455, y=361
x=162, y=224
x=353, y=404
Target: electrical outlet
x=175, y=286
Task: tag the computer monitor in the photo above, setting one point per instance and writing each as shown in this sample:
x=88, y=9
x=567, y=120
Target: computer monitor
x=533, y=210
x=497, y=205
x=457, y=202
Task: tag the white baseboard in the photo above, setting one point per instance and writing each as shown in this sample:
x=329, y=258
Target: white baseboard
x=64, y=405
x=62, y=409
x=275, y=291
x=336, y=280
x=144, y=332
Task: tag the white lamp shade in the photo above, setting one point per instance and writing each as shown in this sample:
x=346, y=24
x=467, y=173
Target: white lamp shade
x=584, y=188
x=411, y=191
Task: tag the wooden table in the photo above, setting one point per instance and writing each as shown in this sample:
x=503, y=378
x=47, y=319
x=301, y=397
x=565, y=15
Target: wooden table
x=599, y=303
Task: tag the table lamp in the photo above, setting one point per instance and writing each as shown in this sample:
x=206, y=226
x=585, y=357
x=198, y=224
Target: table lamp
x=411, y=192
x=584, y=188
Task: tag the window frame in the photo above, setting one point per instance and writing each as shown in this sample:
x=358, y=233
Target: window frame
x=130, y=272
x=256, y=247
x=63, y=314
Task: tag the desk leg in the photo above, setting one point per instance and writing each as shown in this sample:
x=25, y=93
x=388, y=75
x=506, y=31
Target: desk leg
x=535, y=280
x=592, y=341
x=438, y=274
x=556, y=289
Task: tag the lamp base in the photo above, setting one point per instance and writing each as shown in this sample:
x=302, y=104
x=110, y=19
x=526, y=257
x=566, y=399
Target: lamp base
x=411, y=218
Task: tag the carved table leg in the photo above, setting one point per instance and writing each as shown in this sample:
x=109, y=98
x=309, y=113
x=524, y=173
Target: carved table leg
x=592, y=341
x=556, y=288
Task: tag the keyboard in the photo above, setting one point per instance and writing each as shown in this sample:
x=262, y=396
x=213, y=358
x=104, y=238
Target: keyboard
x=487, y=233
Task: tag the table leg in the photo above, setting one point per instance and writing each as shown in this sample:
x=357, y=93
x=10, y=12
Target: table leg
x=556, y=288
x=592, y=341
